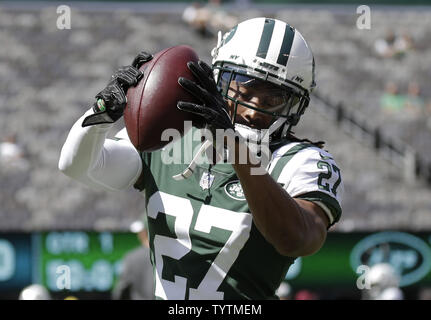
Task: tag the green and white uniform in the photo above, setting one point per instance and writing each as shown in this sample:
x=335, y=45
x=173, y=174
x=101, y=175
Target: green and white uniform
x=203, y=240
x=204, y=244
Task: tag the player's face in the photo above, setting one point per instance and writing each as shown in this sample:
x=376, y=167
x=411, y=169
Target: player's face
x=257, y=94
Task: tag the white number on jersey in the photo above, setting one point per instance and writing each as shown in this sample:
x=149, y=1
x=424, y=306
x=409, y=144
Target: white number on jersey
x=237, y=222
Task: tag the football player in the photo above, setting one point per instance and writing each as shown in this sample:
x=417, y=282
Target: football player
x=223, y=233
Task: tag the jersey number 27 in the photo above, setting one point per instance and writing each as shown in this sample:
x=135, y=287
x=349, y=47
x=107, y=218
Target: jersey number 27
x=239, y=223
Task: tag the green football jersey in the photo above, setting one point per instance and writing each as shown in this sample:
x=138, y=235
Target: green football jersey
x=204, y=244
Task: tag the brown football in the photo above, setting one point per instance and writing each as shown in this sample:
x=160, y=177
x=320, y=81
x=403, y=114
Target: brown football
x=152, y=104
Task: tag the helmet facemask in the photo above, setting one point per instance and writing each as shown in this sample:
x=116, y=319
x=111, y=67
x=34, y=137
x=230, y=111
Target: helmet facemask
x=285, y=104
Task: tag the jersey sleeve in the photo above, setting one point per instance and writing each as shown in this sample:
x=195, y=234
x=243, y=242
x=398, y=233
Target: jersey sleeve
x=145, y=160
x=308, y=172
x=90, y=158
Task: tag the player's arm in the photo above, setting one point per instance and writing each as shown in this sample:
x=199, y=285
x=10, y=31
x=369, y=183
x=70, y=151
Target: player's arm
x=295, y=227
x=87, y=156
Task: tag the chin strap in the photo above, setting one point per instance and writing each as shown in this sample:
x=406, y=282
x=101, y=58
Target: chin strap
x=252, y=136
x=191, y=167
x=276, y=125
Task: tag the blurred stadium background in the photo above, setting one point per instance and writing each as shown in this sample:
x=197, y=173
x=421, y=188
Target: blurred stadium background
x=372, y=107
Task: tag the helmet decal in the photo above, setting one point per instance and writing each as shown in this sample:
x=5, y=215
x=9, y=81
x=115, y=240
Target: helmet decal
x=230, y=35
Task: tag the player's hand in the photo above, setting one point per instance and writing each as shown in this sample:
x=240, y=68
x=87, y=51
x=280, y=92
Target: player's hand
x=126, y=77
x=111, y=101
x=141, y=58
x=213, y=108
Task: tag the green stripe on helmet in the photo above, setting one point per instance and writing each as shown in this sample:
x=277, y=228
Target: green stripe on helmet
x=286, y=46
x=265, y=39
x=230, y=35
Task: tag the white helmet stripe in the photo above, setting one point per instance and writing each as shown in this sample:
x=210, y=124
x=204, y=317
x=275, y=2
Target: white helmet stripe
x=276, y=50
x=276, y=43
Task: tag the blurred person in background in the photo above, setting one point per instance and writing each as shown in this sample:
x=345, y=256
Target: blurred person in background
x=284, y=291
x=393, y=46
x=136, y=277
x=197, y=17
x=306, y=295
x=384, y=283
x=220, y=18
x=414, y=102
x=404, y=44
x=424, y=294
x=427, y=110
x=35, y=292
x=207, y=19
x=392, y=101
x=12, y=154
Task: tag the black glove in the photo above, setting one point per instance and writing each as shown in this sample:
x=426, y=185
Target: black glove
x=141, y=58
x=111, y=101
x=213, y=109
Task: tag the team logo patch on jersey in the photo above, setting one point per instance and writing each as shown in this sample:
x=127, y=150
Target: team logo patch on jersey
x=234, y=190
x=206, y=181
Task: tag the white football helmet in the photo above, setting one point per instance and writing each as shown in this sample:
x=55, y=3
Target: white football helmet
x=269, y=50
